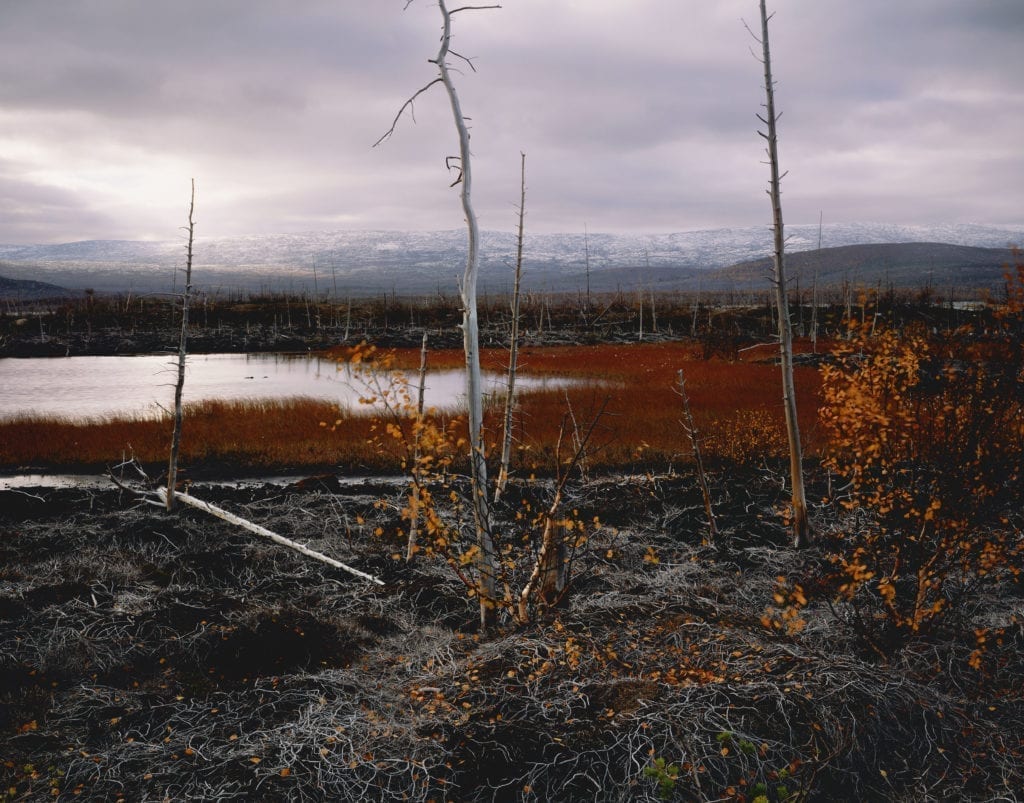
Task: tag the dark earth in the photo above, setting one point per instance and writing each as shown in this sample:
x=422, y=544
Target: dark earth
x=149, y=655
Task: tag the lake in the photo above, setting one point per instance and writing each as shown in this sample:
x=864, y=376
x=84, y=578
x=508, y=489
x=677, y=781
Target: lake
x=93, y=387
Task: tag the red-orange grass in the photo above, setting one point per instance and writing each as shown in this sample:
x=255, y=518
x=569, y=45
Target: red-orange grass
x=737, y=406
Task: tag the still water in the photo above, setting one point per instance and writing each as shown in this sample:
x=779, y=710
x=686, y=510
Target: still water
x=92, y=387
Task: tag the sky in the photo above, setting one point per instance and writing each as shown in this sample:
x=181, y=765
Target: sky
x=636, y=116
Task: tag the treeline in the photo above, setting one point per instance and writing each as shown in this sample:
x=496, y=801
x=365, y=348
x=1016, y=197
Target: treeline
x=725, y=322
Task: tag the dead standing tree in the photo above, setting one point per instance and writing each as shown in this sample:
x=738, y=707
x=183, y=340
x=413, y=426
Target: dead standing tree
x=486, y=561
x=179, y=385
x=513, y=353
x=801, y=526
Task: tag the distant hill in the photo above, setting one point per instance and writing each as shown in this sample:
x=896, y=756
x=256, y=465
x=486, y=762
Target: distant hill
x=360, y=263
x=29, y=290
x=904, y=265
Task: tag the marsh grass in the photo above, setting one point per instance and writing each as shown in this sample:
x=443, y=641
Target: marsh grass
x=737, y=407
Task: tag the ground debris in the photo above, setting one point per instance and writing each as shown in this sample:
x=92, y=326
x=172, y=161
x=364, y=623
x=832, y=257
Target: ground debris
x=149, y=655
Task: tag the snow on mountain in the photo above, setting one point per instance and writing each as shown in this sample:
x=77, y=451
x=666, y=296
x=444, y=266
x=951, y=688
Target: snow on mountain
x=362, y=262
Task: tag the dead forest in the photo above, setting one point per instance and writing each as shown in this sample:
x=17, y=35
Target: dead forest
x=673, y=577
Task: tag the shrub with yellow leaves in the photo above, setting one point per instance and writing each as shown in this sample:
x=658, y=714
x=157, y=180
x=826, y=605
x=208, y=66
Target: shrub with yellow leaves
x=536, y=553
x=926, y=433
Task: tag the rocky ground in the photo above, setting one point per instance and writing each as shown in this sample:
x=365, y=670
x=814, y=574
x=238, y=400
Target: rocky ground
x=147, y=655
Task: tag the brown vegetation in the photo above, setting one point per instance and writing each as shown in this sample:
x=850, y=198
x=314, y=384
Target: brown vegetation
x=181, y=659
x=154, y=655
x=641, y=430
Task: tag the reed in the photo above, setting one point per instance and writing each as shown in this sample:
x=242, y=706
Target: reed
x=736, y=406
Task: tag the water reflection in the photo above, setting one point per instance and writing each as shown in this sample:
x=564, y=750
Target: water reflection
x=90, y=387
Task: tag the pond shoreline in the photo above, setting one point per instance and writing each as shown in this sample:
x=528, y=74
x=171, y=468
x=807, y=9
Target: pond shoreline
x=95, y=481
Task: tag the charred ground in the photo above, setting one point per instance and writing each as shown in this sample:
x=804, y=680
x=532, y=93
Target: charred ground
x=152, y=656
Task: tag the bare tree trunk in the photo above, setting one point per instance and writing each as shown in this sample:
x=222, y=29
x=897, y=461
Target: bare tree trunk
x=801, y=526
x=513, y=354
x=414, y=497
x=586, y=256
x=179, y=386
x=486, y=561
x=549, y=579
x=814, y=292
x=263, y=532
x=696, y=309
x=690, y=427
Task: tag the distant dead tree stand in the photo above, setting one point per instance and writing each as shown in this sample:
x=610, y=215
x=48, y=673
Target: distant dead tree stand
x=486, y=561
x=179, y=385
x=801, y=526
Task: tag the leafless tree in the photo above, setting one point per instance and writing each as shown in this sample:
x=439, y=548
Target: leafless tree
x=485, y=557
x=179, y=385
x=814, y=290
x=690, y=427
x=513, y=353
x=549, y=580
x=414, y=498
x=801, y=526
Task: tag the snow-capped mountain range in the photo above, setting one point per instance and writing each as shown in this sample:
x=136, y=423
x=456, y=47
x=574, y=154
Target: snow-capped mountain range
x=366, y=262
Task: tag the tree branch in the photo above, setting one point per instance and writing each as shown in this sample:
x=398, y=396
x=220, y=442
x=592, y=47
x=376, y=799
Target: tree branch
x=470, y=8
x=406, y=105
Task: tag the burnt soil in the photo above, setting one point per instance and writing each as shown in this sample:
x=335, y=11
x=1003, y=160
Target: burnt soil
x=147, y=655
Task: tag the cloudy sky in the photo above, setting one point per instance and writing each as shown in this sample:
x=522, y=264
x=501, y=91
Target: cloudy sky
x=636, y=115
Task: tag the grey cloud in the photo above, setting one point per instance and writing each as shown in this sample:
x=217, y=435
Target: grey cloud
x=30, y=211
x=634, y=116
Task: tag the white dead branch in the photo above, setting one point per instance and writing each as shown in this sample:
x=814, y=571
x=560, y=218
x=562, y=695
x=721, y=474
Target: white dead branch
x=256, y=529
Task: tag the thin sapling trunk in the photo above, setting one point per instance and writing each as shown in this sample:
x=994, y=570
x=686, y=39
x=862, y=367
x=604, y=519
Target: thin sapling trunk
x=414, y=497
x=690, y=427
x=513, y=353
x=801, y=526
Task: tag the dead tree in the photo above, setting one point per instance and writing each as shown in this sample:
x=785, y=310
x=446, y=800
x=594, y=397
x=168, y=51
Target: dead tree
x=486, y=561
x=513, y=352
x=417, y=489
x=263, y=532
x=549, y=580
x=690, y=428
x=586, y=258
x=179, y=385
x=814, y=290
x=801, y=526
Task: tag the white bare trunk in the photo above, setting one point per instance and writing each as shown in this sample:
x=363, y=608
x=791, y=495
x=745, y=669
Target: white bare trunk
x=263, y=532
x=486, y=562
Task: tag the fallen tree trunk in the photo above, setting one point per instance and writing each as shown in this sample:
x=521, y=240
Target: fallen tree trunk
x=220, y=513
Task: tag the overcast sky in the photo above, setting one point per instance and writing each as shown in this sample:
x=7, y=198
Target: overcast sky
x=636, y=115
